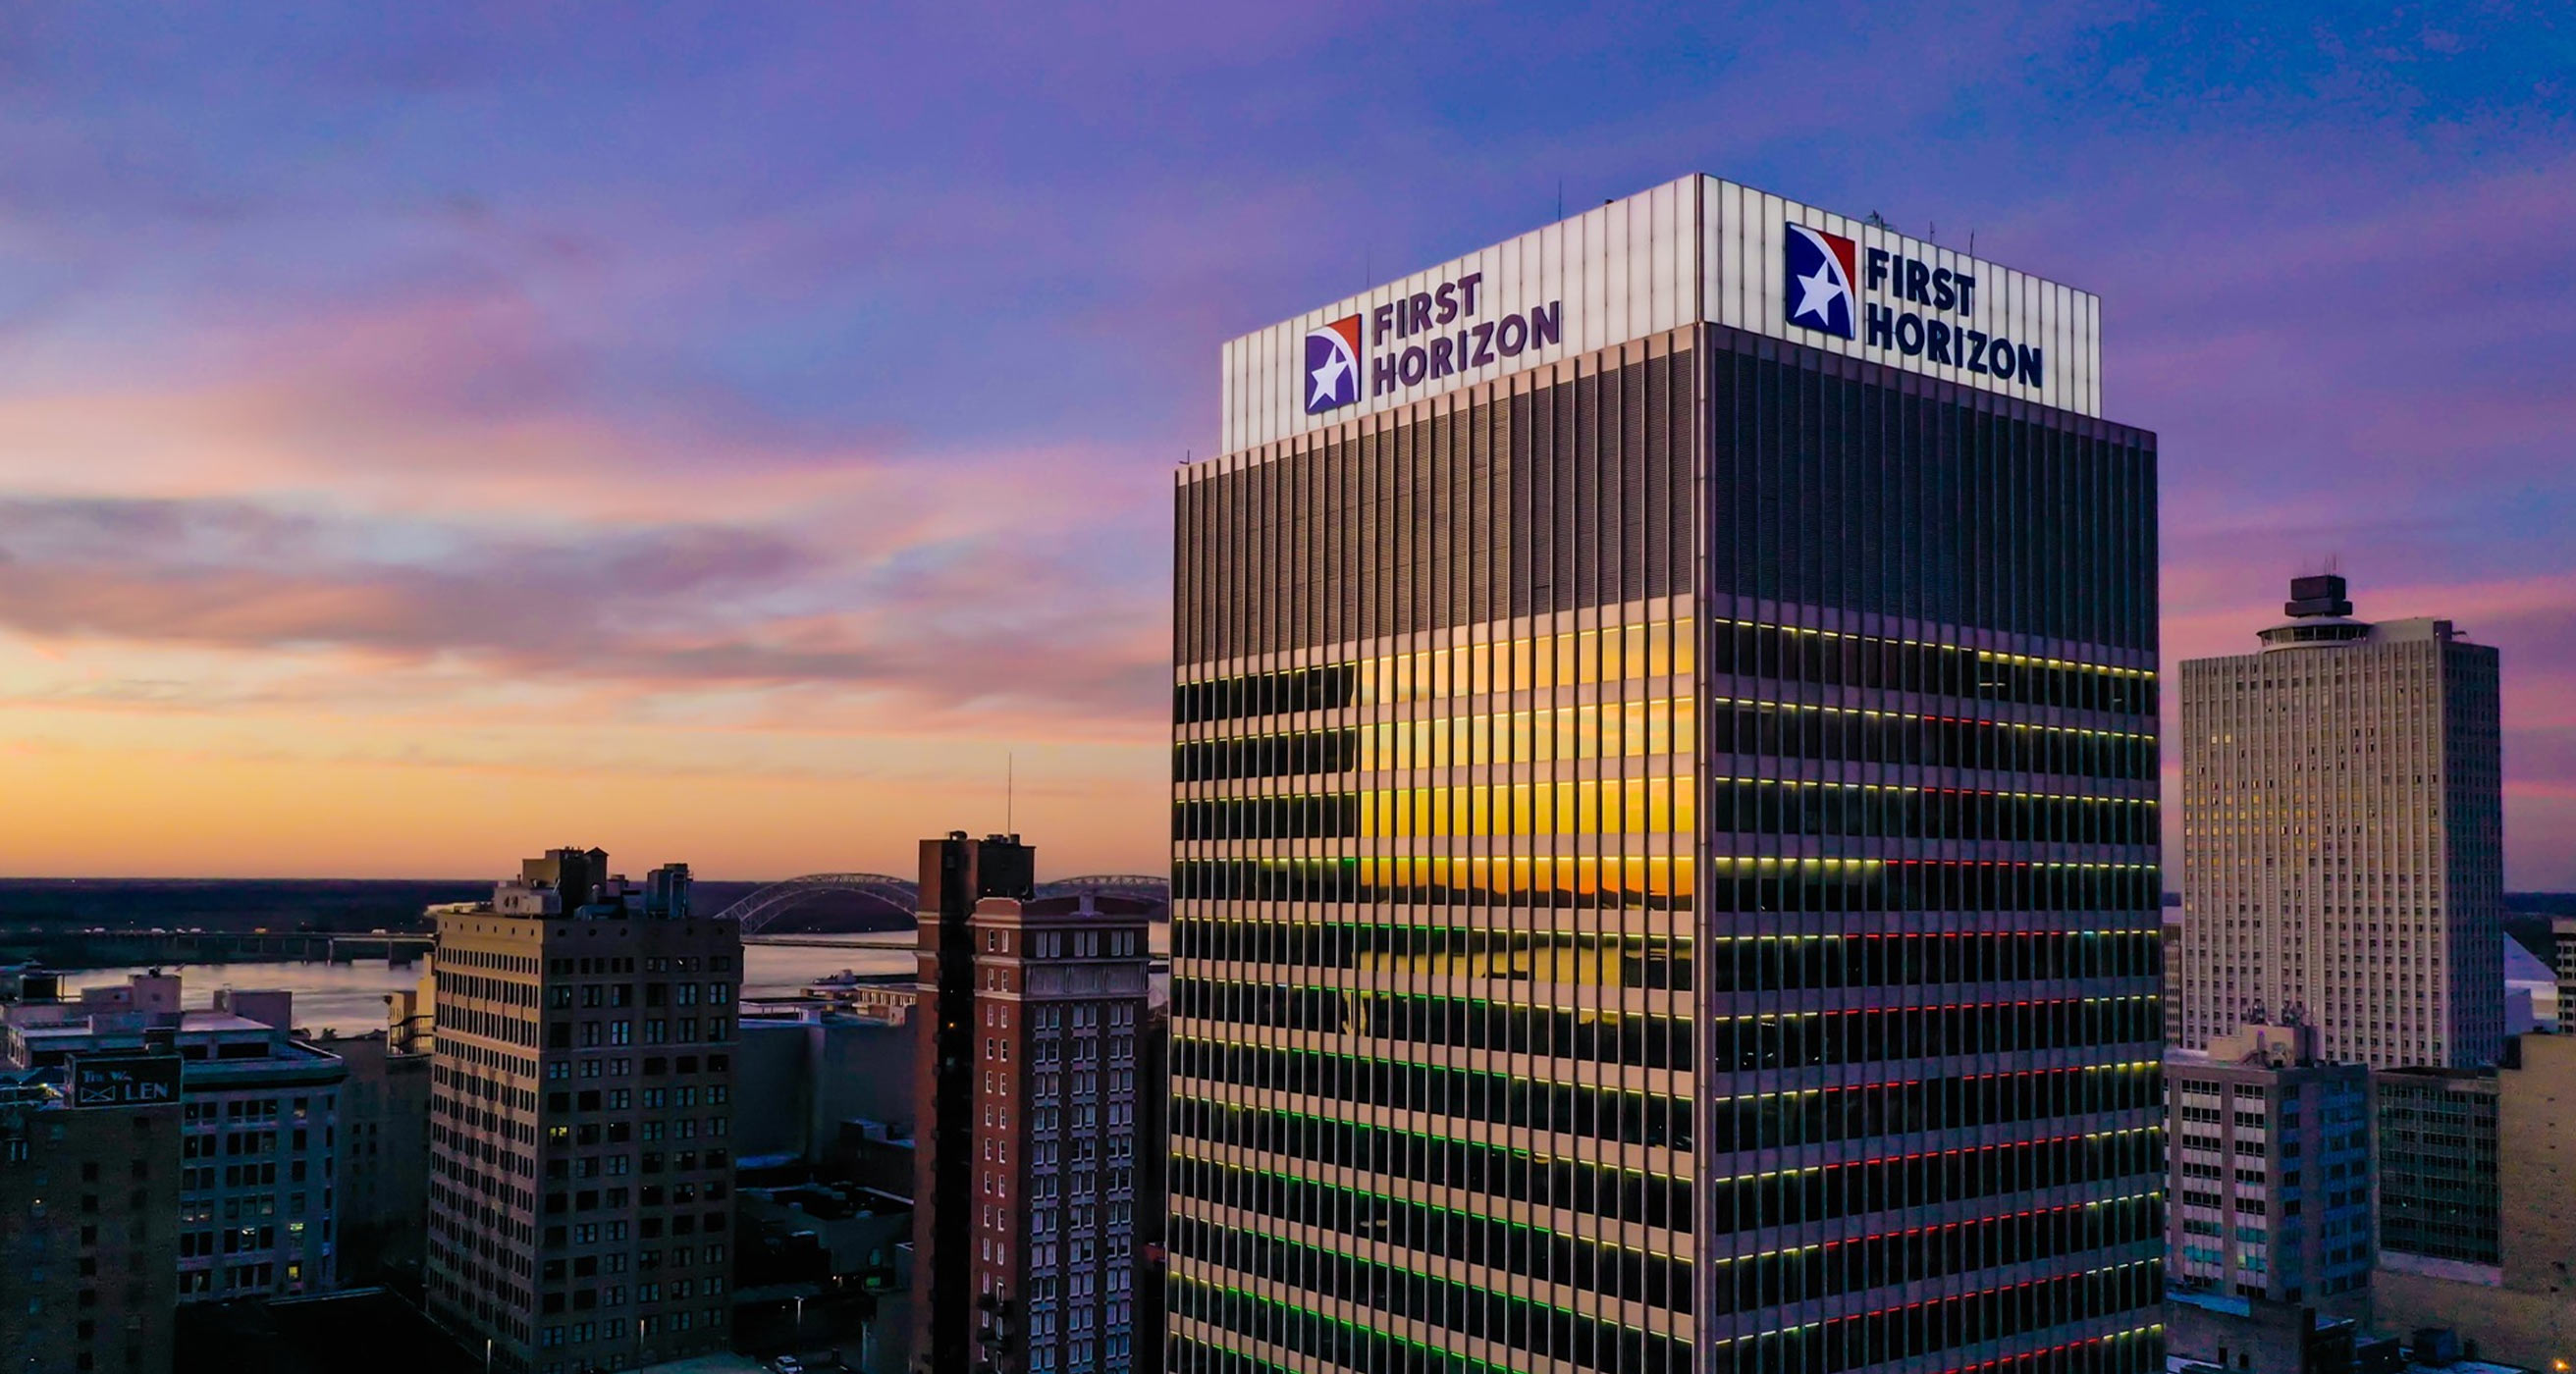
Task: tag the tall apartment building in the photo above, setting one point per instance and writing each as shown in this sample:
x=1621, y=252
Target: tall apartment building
x=89, y=1211
x=2343, y=851
x=1664, y=818
x=581, y=1108
x=257, y=1213
x=1026, y=1211
x=2271, y=1171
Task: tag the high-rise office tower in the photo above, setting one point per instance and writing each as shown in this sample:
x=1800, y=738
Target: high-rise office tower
x=1026, y=1208
x=1664, y=851
x=2343, y=837
x=581, y=1107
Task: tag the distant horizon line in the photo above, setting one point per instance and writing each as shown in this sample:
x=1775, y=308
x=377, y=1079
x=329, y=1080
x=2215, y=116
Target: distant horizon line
x=695, y=877
x=328, y=878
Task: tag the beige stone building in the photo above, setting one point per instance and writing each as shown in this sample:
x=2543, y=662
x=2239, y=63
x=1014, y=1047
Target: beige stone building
x=581, y=1108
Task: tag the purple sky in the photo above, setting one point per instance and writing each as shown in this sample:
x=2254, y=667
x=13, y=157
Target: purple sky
x=768, y=413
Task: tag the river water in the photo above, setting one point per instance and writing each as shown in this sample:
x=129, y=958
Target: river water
x=350, y=998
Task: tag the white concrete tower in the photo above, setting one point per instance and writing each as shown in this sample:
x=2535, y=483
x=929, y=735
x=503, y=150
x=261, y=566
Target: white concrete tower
x=2343, y=856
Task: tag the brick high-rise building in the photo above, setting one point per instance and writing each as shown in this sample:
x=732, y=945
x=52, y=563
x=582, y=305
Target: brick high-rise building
x=956, y=874
x=2343, y=846
x=581, y=1113
x=1031, y=1023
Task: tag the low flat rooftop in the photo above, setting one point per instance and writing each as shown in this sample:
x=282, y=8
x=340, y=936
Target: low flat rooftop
x=197, y=1021
x=2226, y=1303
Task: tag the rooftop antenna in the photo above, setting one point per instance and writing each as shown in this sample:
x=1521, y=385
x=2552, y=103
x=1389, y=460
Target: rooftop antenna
x=1560, y=197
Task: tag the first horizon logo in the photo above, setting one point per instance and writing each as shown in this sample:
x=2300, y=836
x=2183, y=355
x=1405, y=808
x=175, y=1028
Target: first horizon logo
x=1821, y=271
x=1333, y=365
x=1826, y=275
x=1457, y=334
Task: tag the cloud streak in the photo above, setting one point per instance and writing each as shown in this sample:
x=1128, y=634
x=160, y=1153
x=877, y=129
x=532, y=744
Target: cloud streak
x=936, y=624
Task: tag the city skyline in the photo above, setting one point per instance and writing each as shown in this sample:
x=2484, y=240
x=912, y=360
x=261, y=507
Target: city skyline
x=374, y=440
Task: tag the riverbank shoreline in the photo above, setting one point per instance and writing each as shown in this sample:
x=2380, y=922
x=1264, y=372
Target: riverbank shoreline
x=348, y=998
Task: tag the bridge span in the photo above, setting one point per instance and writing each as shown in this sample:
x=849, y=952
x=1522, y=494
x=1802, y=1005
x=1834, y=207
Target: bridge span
x=901, y=896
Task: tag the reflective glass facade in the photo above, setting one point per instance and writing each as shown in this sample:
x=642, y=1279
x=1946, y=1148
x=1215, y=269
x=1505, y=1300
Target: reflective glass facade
x=1665, y=879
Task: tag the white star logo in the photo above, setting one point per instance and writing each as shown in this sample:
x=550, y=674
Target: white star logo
x=1818, y=292
x=1328, y=378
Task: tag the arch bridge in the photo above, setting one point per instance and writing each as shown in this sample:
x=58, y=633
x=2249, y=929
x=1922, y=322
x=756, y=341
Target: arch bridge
x=903, y=896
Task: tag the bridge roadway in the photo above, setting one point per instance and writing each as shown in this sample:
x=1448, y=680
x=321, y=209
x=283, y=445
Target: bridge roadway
x=902, y=898
x=117, y=949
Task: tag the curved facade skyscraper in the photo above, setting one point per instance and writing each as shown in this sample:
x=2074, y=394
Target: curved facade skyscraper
x=1664, y=829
